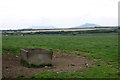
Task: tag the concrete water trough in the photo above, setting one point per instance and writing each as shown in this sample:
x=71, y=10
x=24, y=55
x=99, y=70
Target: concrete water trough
x=36, y=57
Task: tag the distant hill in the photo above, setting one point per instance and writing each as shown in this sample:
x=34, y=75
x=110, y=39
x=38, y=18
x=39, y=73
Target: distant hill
x=41, y=27
x=87, y=25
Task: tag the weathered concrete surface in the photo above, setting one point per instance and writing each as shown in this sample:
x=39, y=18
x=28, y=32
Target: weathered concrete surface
x=36, y=56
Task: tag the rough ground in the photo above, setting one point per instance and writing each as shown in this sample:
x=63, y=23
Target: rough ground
x=11, y=67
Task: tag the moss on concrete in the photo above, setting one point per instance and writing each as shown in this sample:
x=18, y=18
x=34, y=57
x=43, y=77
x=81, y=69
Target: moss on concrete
x=26, y=64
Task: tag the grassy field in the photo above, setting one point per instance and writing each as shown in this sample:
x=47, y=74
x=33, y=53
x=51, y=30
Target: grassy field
x=0, y=43
x=102, y=48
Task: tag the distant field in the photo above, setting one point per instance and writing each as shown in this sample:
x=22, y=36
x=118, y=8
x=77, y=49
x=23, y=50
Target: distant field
x=66, y=30
x=103, y=48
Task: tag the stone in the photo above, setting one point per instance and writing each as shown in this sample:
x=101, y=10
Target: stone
x=36, y=56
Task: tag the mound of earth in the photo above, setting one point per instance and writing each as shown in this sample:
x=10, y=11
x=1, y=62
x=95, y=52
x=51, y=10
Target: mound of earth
x=11, y=67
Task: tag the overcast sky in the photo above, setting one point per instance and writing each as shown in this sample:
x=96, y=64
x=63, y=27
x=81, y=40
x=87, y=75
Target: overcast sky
x=16, y=14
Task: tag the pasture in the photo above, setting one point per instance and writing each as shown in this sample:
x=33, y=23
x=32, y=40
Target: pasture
x=100, y=48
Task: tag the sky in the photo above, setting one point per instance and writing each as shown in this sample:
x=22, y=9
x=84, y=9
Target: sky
x=18, y=14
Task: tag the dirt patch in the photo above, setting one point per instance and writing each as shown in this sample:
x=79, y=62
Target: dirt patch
x=11, y=67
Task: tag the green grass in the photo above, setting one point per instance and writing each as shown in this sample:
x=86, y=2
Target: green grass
x=102, y=71
x=100, y=47
x=0, y=44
